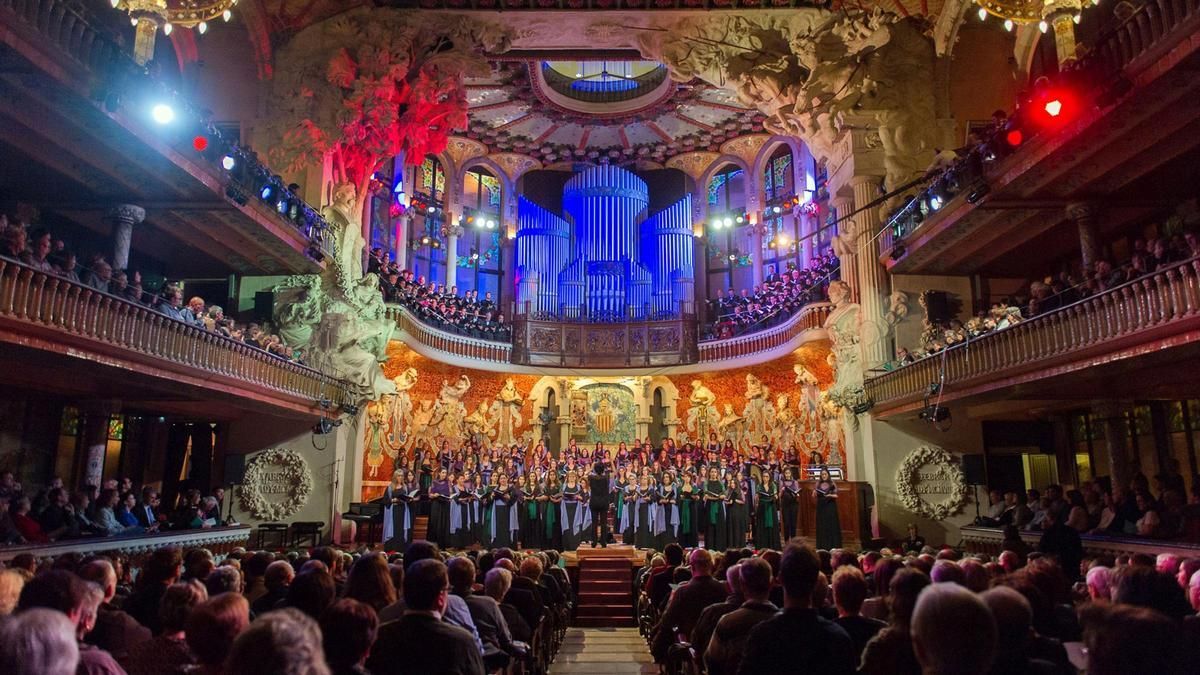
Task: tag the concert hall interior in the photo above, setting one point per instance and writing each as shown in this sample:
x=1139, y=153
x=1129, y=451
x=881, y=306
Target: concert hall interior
x=640, y=293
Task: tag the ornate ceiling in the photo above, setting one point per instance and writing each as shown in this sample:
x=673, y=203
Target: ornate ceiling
x=512, y=111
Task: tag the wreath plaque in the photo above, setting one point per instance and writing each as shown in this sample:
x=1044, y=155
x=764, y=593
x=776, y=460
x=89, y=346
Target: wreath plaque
x=929, y=471
x=277, y=484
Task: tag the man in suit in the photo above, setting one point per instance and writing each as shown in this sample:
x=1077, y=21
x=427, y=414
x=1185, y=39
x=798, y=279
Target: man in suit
x=686, y=604
x=598, y=486
x=147, y=510
x=420, y=642
x=798, y=639
x=523, y=594
x=659, y=584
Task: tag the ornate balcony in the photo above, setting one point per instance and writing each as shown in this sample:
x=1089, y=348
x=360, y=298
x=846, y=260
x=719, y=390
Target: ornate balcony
x=1142, y=102
x=71, y=100
x=626, y=345
x=114, y=345
x=219, y=540
x=1075, y=351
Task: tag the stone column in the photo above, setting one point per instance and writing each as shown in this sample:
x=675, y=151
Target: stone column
x=403, y=226
x=873, y=281
x=1116, y=432
x=122, y=218
x=1060, y=14
x=756, y=252
x=1086, y=218
x=807, y=244
x=451, y=258
x=95, y=439
x=842, y=205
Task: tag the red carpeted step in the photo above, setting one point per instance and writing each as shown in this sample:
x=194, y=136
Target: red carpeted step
x=587, y=598
x=604, y=622
x=620, y=609
x=605, y=586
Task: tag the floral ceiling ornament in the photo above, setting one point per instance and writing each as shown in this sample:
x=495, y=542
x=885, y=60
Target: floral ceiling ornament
x=941, y=468
x=275, y=471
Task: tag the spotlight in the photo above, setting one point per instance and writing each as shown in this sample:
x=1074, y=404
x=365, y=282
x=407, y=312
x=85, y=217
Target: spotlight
x=1043, y=26
x=425, y=241
x=982, y=14
x=1014, y=137
x=167, y=28
x=133, y=22
x=114, y=3
x=777, y=209
x=282, y=206
x=1053, y=107
x=783, y=241
x=431, y=209
x=228, y=162
x=325, y=425
x=934, y=414
x=266, y=192
x=732, y=257
x=935, y=202
x=226, y=15
x=1008, y=25
x=729, y=222
x=740, y=219
x=474, y=256
x=200, y=143
x=1077, y=18
x=202, y=27
x=491, y=224
x=162, y=113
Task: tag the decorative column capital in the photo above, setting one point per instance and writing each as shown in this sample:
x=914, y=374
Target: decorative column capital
x=126, y=213
x=1083, y=211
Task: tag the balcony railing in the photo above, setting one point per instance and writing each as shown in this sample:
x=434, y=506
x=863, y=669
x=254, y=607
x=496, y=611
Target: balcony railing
x=808, y=318
x=61, y=312
x=485, y=351
x=1165, y=302
x=630, y=344
x=219, y=540
x=989, y=540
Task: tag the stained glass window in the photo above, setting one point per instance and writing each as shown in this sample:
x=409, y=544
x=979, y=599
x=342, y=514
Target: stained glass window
x=722, y=188
x=70, y=422
x=433, y=179
x=491, y=187
x=116, y=427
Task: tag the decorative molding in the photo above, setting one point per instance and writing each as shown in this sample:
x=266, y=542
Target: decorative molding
x=461, y=150
x=693, y=164
x=287, y=467
x=746, y=147
x=909, y=482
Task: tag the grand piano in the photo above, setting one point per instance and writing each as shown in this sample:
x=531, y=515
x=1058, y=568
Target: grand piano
x=369, y=514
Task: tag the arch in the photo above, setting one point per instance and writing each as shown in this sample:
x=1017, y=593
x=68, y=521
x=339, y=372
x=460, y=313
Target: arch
x=718, y=164
x=506, y=185
x=768, y=149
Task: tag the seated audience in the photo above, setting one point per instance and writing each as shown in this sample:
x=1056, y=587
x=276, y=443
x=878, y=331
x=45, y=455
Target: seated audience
x=686, y=604
x=420, y=641
x=953, y=632
x=849, y=593
x=38, y=642
x=169, y=651
x=211, y=628
x=728, y=644
x=348, y=629
x=287, y=642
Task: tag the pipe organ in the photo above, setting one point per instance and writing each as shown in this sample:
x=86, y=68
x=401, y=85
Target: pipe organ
x=605, y=258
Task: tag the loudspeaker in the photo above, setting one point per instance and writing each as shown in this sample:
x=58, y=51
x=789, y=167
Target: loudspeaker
x=973, y=471
x=235, y=468
x=264, y=305
x=937, y=307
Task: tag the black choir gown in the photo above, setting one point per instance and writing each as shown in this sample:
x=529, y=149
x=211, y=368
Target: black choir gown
x=829, y=528
x=439, y=516
x=571, y=508
x=644, y=536
x=716, y=537
x=503, y=512
x=789, y=502
x=739, y=516
x=530, y=535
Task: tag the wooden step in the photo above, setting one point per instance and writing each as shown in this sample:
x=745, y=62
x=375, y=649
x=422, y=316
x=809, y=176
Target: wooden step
x=604, y=622
x=588, y=599
x=605, y=585
x=617, y=609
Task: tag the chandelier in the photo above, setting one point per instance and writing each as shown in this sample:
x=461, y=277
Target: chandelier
x=1044, y=13
x=148, y=16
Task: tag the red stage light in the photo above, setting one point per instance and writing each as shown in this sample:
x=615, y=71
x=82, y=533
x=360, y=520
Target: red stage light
x=1014, y=137
x=200, y=143
x=1053, y=107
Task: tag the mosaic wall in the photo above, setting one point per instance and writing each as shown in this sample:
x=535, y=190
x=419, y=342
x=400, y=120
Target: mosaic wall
x=779, y=401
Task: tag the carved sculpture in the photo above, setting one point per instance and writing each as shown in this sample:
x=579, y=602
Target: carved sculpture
x=807, y=68
x=506, y=413
x=702, y=415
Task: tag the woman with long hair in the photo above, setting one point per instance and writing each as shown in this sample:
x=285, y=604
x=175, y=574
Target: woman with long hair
x=766, y=515
x=687, y=496
x=714, y=500
x=397, y=519
x=738, y=511
x=789, y=502
x=370, y=581
x=439, y=509
x=829, y=529
x=505, y=526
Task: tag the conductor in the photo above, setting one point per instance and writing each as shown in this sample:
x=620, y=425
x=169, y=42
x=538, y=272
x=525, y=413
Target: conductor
x=600, y=491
